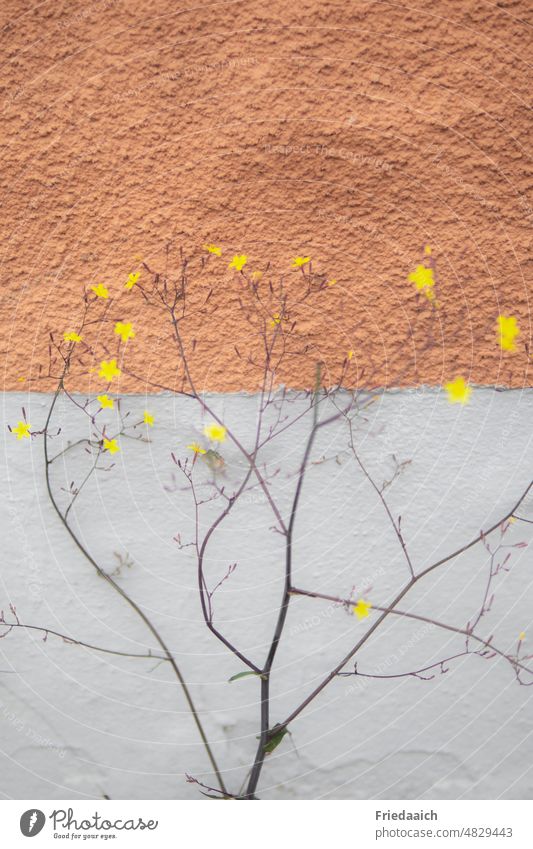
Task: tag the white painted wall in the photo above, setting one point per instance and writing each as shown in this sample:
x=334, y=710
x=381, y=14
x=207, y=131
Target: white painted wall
x=74, y=723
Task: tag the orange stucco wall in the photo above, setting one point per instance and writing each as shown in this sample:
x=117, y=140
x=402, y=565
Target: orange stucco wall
x=354, y=132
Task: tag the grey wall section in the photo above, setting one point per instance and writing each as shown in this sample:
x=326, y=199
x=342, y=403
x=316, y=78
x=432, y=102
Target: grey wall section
x=75, y=723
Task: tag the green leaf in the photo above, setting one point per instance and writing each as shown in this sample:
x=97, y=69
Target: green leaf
x=275, y=740
x=244, y=675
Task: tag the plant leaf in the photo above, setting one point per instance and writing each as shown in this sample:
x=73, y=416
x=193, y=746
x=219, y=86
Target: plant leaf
x=244, y=675
x=274, y=741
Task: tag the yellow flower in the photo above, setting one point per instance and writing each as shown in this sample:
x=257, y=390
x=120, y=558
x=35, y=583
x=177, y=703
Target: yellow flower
x=331, y=283
x=132, y=279
x=298, y=261
x=100, y=291
x=427, y=250
x=458, y=391
x=238, y=262
x=422, y=277
x=109, y=370
x=522, y=636
x=257, y=276
x=350, y=355
x=215, y=432
x=362, y=609
x=111, y=445
x=105, y=402
x=196, y=448
x=508, y=330
x=213, y=249
x=148, y=418
x=125, y=331
x=276, y=319
x=72, y=337
x=22, y=430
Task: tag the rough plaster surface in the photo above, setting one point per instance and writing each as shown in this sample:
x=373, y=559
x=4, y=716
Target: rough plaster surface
x=77, y=724
x=356, y=132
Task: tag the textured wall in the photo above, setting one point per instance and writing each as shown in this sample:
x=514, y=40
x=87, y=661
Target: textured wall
x=356, y=132
x=77, y=724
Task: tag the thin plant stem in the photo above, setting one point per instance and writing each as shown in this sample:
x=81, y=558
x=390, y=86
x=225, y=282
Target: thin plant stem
x=134, y=606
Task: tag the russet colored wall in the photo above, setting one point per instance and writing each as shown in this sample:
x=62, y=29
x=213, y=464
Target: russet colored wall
x=354, y=132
